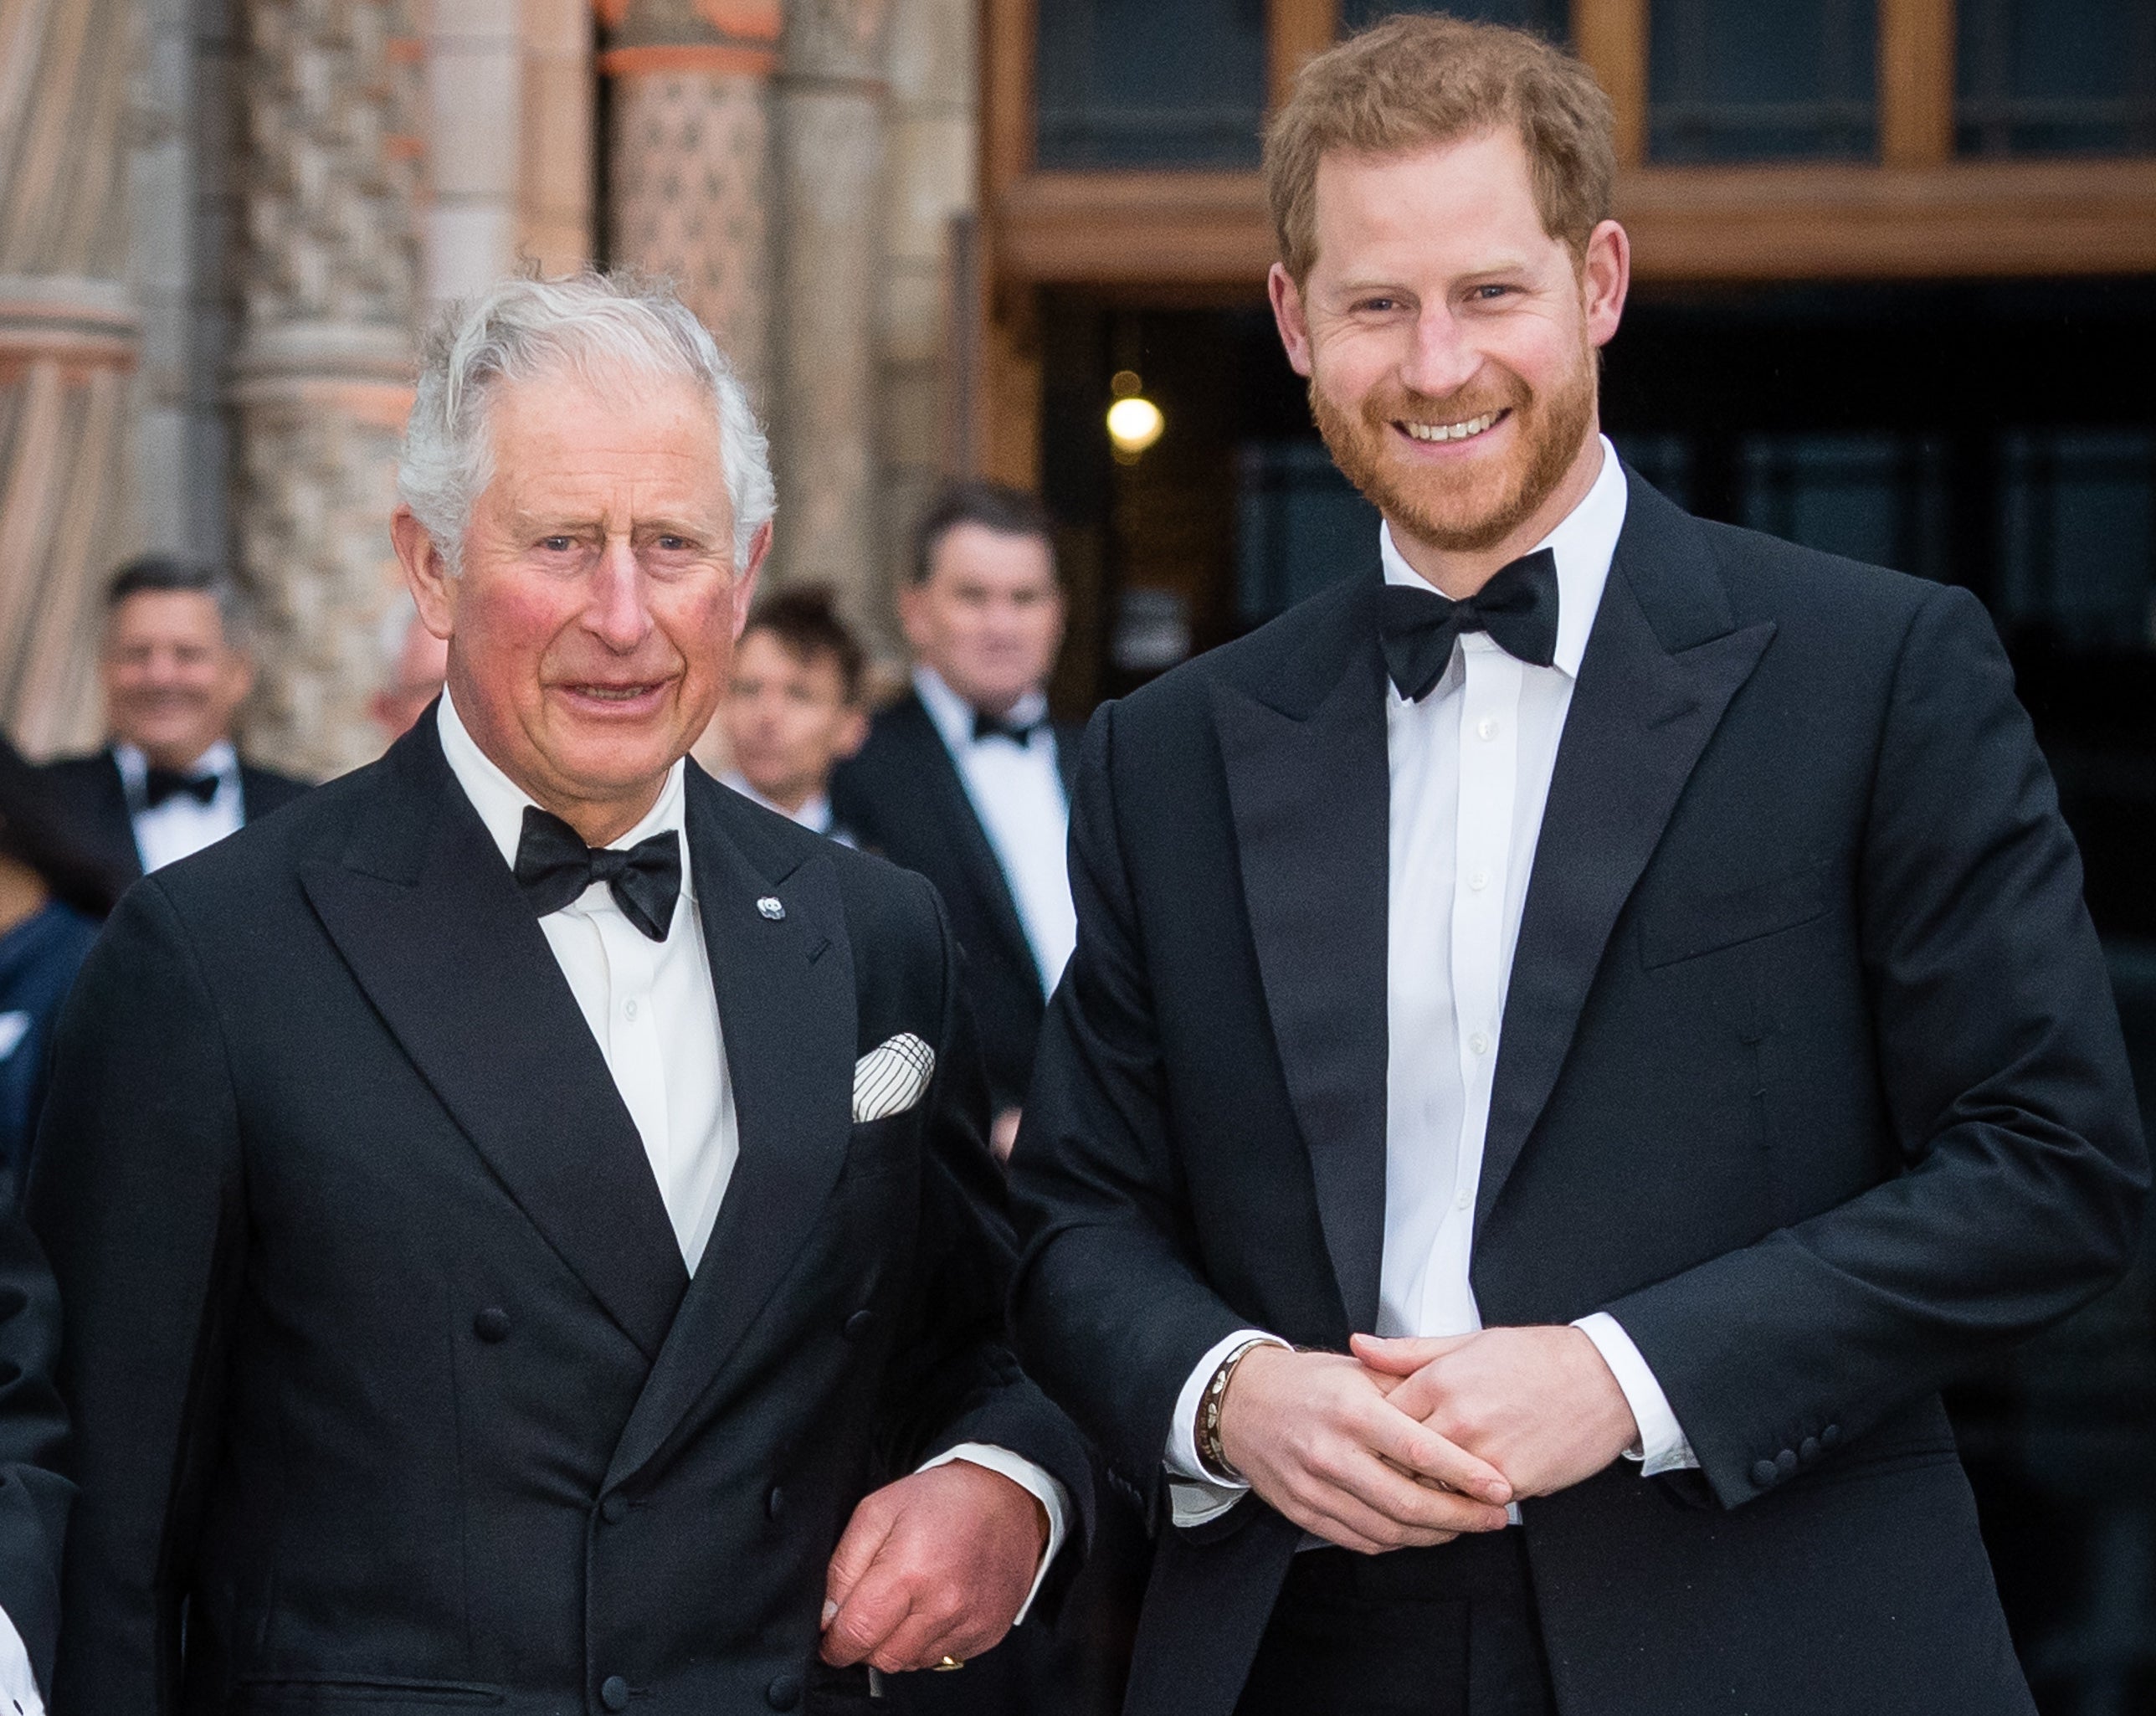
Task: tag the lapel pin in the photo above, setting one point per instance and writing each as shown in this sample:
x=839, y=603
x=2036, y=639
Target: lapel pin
x=769, y=905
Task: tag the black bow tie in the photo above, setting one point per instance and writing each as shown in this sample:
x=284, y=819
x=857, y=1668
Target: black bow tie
x=1002, y=726
x=554, y=866
x=163, y=783
x=1517, y=608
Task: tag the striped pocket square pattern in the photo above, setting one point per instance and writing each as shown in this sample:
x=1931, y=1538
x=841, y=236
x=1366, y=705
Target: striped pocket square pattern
x=890, y=1077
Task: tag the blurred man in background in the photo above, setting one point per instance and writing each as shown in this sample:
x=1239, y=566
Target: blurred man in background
x=966, y=779
x=415, y=662
x=793, y=711
x=176, y=669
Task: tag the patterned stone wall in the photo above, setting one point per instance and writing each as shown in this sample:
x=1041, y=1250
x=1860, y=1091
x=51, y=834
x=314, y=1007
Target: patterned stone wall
x=323, y=377
x=68, y=337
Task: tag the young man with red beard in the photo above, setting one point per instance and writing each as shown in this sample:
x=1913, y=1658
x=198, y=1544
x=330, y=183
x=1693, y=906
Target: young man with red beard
x=1574, y=1037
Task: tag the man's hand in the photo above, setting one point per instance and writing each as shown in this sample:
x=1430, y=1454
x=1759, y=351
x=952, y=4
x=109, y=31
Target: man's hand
x=1317, y=1438
x=935, y=1566
x=1539, y=1404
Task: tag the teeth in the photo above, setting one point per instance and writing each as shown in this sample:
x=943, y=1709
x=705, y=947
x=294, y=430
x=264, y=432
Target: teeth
x=1451, y=431
x=615, y=694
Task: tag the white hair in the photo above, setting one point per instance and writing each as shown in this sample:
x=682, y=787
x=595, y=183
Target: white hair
x=591, y=323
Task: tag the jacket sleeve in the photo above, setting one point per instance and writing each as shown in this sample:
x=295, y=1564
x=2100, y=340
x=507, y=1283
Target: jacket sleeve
x=34, y=1496
x=2023, y=1169
x=135, y=1192
x=952, y=1378
x=1111, y=1309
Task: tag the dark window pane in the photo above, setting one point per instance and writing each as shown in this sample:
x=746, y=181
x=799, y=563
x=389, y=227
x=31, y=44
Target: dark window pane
x=1747, y=80
x=1665, y=460
x=2077, y=528
x=2056, y=77
x=1877, y=498
x=1299, y=525
x=1545, y=17
x=1151, y=83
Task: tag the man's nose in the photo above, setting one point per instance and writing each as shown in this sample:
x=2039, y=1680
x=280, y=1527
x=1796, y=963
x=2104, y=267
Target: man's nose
x=618, y=615
x=1441, y=360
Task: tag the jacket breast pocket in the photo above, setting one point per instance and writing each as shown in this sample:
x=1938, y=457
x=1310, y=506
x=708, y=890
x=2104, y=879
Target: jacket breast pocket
x=1685, y=926
x=879, y=1147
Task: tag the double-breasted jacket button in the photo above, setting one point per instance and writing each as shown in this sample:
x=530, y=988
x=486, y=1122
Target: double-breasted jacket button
x=1787, y=1460
x=784, y=1693
x=492, y=1325
x=1808, y=1450
x=859, y=1324
x=774, y=1504
x=614, y=1508
x=1766, y=1473
x=1830, y=1436
x=614, y=1693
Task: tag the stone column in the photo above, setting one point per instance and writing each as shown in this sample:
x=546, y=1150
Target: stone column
x=323, y=378
x=824, y=418
x=690, y=155
x=555, y=191
x=68, y=336
x=475, y=130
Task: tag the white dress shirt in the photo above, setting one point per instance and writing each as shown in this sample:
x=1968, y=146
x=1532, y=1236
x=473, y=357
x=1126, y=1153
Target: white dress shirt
x=1017, y=791
x=654, y=1013
x=1471, y=767
x=814, y=814
x=180, y=827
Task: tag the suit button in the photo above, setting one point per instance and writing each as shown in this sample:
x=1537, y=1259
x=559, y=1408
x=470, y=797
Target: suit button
x=859, y=1324
x=614, y=1693
x=774, y=1504
x=784, y=1693
x=492, y=1325
x=1808, y=1450
x=1766, y=1474
x=1830, y=1436
x=614, y=1508
x=1787, y=1460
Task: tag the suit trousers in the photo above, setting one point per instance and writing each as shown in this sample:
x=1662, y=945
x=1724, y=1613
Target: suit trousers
x=1444, y=1631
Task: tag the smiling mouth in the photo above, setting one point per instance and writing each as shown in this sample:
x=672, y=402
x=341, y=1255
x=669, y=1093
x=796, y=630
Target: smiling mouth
x=615, y=694
x=1465, y=430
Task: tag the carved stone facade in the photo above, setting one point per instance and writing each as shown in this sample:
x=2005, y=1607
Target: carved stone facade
x=324, y=372
x=68, y=337
x=222, y=222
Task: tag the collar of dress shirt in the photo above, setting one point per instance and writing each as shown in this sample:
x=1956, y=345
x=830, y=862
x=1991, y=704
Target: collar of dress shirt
x=954, y=715
x=814, y=814
x=1584, y=543
x=220, y=760
x=500, y=802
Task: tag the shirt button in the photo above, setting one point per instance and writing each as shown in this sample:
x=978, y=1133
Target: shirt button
x=1486, y=727
x=630, y=1009
x=1462, y=1202
x=1480, y=1042
x=1479, y=880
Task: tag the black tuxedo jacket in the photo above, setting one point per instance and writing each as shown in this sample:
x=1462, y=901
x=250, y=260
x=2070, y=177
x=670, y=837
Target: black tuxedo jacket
x=903, y=797
x=92, y=794
x=383, y=1364
x=34, y=1497
x=1809, y=1074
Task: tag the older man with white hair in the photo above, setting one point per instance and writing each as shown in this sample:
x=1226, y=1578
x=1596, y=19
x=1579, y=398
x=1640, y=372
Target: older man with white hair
x=526, y=1234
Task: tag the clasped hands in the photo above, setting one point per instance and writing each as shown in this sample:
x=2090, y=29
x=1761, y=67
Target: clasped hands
x=1412, y=1442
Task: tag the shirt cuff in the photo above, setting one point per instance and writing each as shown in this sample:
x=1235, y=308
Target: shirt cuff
x=1044, y=1488
x=18, y=1685
x=1195, y=1494
x=1662, y=1445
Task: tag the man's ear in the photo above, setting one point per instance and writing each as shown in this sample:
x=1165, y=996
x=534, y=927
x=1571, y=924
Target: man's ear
x=426, y=573
x=1605, y=276
x=853, y=734
x=759, y=551
x=1289, y=318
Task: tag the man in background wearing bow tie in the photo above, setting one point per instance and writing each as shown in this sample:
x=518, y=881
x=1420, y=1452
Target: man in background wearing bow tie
x=966, y=779
x=1612, y=991
x=524, y=1219
x=176, y=669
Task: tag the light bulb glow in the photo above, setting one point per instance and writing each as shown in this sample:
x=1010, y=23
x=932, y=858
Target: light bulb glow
x=1134, y=424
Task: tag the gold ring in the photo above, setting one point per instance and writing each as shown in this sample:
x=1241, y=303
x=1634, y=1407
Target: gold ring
x=947, y=1664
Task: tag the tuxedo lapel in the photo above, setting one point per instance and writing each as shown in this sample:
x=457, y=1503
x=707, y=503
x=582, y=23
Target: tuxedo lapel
x=942, y=784
x=785, y=989
x=115, y=818
x=1309, y=786
x=1662, y=663
x=428, y=917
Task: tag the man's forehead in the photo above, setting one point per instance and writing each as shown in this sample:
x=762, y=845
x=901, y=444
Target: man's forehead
x=162, y=611
x=1451, y=198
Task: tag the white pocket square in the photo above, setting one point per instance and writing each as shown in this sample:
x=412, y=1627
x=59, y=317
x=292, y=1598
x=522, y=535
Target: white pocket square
x=889, y=1078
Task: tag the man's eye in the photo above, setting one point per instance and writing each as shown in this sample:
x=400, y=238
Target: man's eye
x=674, y=545
x=1486, y=294
x=557, y=545
x=1379, y=306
